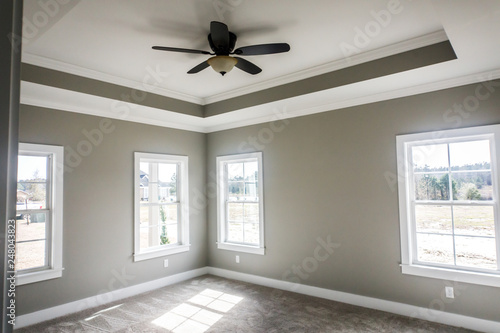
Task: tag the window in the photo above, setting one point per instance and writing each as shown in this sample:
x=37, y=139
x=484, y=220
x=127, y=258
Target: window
x=448, y=195
x=39, y=214
x=240, y=204
x=161, y=205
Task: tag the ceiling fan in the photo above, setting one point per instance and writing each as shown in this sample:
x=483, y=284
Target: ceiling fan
x=222, y=43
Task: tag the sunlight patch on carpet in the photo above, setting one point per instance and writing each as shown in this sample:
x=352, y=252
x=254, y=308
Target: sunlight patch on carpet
x=197, y=314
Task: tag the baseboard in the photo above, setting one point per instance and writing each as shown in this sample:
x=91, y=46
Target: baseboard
x=90, y=302
x=441, y=317
x=367, y=302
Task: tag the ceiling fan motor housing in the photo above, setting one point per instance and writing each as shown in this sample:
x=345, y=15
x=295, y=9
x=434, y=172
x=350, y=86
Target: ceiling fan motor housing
x=223, y=49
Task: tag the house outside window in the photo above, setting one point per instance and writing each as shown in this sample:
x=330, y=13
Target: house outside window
x=39, y=213
x=240, y=206
x=161, y=205
x=449, y=209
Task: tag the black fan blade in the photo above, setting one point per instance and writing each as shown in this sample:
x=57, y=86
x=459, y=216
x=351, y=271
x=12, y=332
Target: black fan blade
x=247, y=66
x=199, y=68
x=263, y=49
x=220, y=34
x=175, y=49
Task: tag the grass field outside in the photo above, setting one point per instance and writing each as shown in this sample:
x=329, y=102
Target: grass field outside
x=473, y=236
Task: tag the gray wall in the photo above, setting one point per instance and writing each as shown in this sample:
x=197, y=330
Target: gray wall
x=98, y=206
x=325, y=174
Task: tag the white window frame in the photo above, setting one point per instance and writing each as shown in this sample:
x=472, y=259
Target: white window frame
x=409, y=264
x=183, y=197
x=222, y=198
x=55, y=207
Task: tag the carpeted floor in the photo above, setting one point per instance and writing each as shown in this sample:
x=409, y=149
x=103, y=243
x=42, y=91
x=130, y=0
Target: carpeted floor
x=213, y=304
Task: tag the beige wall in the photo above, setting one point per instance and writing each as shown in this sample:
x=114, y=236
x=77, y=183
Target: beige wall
x=324, y=175
x=98, y=205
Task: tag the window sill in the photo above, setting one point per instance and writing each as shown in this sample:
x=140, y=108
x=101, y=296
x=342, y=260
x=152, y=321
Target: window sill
x=241, y=248
x=33, y=277
x=161, y=253
x=485, y=279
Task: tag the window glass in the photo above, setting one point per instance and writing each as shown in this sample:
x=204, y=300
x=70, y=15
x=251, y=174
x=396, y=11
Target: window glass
x=240, y=203
x=448, y=202
x=161, y=198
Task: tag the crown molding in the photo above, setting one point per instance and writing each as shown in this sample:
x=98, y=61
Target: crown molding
x=433, y=38
x=407, y=45
x=294, y=107
x=66, y=100
x=61, y=66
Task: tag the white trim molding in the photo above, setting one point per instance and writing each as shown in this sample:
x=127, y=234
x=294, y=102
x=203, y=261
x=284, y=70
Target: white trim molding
x=223, y=203
x=60, y=66
x=101, y=299
x=390, y=50
x=181, y=164
x=56, y=204
x=407, y=45
x=441, y=317
x=436, y=316
x=302, y=105
x=67, y=100
x=424, y=144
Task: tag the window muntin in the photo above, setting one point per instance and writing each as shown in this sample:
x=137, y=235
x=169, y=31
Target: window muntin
x=33, y=212
x=240, y=204
x=449, y=203
x=454, y=227
x=162, y=214
x=39, y=213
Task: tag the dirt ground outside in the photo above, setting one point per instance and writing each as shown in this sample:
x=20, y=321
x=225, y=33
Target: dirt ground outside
x=474, y=229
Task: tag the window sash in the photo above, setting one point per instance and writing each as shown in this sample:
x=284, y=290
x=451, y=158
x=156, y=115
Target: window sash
x=160, y=223
x=224, y=200
x=227, y=201
x=49, y=206
x=242, y=222
x=413, y=202
x=181, y=202
x=53, y=213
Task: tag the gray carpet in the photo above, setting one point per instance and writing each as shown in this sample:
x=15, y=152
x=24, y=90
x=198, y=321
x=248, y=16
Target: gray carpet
x=213, y=304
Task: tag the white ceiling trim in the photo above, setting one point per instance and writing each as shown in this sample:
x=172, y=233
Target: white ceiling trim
x=407, y=45
x=66, y=100
x=433, y=38
x=57, y=65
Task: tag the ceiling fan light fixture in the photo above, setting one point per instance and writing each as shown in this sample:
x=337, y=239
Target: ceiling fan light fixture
x=222, y=64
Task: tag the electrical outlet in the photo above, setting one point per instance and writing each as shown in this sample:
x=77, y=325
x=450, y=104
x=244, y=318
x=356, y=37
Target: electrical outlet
x=165, y=263
x=237, y=259
x=449, y=292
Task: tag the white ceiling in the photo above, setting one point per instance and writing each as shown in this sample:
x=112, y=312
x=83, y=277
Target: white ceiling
x=111, y=41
